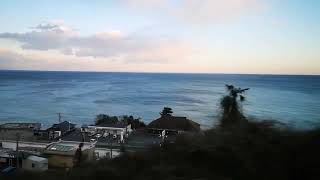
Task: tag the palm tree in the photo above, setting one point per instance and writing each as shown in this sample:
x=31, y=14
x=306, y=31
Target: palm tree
x=230, y=106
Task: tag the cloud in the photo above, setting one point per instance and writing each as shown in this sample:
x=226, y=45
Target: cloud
x=50, y=60
x=111, y=44
x=200, y=11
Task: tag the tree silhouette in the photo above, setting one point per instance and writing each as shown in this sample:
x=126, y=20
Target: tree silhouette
x=231, y=113
x=167, y=111
x=106, y=119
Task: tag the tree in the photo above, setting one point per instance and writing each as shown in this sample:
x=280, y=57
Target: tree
x=106, y=119
x=231, y=113
x=135, y=122
x=167, y=111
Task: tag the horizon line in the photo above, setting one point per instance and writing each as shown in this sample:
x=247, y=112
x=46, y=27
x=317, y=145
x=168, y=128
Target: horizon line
x=149, y=72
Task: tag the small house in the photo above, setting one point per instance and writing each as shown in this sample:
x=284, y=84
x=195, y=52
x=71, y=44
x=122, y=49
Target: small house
x=60, y=129
x=9, y=131
x=173, y=125
x=35, y=163
x=63, y=154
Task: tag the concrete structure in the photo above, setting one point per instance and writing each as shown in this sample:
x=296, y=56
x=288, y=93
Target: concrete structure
x=35, y=163
x=63, y=154
x=23, y=145
x=106, y=153
x=26, y=131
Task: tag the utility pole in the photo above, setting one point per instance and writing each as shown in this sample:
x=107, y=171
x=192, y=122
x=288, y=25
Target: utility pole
x=83, y=138
x=111, y=149
x=59, y=115
x=17, y=150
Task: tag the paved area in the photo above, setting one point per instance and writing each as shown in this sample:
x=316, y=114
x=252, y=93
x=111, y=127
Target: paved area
x=137, y=140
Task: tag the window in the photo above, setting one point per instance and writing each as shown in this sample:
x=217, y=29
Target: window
x=33, y=165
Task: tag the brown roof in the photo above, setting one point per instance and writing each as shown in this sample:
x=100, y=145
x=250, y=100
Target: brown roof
x=174, y=123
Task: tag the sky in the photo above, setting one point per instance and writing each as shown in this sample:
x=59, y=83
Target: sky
x=182, y=36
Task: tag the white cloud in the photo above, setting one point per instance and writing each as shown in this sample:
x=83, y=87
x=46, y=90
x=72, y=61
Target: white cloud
x=111, y=44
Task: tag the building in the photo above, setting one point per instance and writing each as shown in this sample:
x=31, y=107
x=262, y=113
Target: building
x=35, y=163
x=7, y=158
x=32, y=126
x=63, y=154
x=173, y=125
x=23, y=131
x=117, y=129
x=60, y=129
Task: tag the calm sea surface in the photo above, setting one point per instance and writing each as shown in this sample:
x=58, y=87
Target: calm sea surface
x=79, y=96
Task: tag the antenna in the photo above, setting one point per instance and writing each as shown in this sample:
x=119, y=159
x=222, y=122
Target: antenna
x=59, y=115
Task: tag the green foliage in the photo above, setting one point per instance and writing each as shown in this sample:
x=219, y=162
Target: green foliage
x=167, y=111
x=106, y=119
x=136, y=123
x=231, y=112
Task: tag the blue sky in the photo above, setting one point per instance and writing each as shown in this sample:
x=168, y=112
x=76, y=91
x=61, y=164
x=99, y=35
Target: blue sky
x=202, y=36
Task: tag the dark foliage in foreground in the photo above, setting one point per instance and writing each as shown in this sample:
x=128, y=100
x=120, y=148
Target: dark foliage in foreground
x=256, y=150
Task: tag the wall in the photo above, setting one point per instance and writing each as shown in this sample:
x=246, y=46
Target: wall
x=11, y=134
x=38, y=166
x=60, y=161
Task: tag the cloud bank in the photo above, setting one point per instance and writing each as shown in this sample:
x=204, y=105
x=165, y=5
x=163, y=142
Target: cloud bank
x=59, y=37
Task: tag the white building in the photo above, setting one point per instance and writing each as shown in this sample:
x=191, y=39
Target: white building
x=35, y=163
x=110, y=129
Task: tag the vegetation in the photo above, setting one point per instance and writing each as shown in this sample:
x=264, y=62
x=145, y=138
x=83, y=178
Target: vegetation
x=166, y=111
x=231, y=113
x=239, y=148
x=106, y=119
x=136, y=123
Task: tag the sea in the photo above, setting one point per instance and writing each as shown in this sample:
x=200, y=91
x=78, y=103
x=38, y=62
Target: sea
x=39, y=96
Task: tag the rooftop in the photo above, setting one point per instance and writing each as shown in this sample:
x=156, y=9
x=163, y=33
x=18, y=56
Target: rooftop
x=66, y=147
x=174, y=123
x=36, y=158
x=63, y=126
x=4, y=152
x=62, y=148
x=112, y=125
x=35, y=126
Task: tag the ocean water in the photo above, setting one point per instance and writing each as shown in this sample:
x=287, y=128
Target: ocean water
x=32, y=96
